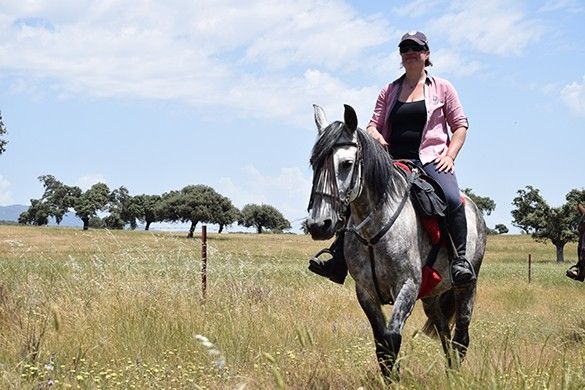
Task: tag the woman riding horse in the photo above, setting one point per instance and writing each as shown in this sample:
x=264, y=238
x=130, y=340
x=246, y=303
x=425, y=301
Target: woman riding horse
x=410, y=118
x=386, y=245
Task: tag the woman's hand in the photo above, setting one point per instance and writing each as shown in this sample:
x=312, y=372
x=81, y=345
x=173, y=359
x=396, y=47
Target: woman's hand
x=445, y=163
x=376, y=135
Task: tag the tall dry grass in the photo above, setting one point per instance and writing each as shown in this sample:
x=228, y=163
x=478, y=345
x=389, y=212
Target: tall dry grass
x=123, y=309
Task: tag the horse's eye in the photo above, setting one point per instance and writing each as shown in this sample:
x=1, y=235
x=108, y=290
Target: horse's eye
x=346, y=165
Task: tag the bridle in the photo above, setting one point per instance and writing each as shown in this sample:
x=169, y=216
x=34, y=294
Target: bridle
x=325, y=183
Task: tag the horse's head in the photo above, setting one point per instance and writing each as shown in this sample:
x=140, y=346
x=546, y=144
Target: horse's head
x=581, y=229
x=336, y=162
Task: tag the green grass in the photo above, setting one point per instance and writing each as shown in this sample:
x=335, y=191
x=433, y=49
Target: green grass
x=123, y=309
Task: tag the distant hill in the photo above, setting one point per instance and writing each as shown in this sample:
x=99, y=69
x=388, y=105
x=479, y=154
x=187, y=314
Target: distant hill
x=12, y=212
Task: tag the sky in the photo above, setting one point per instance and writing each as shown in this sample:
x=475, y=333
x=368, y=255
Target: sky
x=165, y=94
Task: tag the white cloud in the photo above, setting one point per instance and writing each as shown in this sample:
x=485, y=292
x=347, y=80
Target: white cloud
x=574, y=6
x=331, y=37
x=574, y=96
x=416, y=8
x=5, y=194
x=451, y=62
x=494, y=27
x=85, y=182
x=206, y=53
x=262, y=97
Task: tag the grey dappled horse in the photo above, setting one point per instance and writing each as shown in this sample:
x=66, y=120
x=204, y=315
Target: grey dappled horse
x=385, y=244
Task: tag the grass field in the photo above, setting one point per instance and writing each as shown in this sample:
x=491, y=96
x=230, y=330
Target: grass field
x=123, y=309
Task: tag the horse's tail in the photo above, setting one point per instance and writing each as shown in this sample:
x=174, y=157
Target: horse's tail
x=447, y=305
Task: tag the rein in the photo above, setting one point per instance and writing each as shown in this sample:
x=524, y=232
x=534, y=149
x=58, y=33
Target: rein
x=374, y=240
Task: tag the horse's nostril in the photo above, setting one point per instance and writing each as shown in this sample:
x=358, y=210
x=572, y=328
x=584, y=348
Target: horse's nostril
x=327, y=223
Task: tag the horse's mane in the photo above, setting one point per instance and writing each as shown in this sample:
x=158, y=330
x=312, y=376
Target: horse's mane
x=377, y=169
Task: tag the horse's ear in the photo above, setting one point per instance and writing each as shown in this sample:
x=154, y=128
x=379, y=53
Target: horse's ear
x=320, y=118
x=350, y=118
x=581, y=208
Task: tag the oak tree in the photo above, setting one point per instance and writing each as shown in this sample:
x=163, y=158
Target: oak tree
x=534, y=216
x=90, y=202
x=263, y=216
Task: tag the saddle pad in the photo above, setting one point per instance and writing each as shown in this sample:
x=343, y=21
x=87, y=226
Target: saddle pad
x=431, y=226
x=430, y=279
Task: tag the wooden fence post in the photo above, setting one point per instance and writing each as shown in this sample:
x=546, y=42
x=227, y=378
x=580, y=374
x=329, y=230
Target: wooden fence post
x=529, y=267
x=204, y=262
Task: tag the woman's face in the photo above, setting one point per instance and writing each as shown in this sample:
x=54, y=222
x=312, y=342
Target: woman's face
x=413, y=54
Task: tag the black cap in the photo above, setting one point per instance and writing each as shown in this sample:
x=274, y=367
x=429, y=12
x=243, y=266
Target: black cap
x=415, y=36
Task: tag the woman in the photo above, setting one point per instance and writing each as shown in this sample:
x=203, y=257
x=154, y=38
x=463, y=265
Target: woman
x=411, y=118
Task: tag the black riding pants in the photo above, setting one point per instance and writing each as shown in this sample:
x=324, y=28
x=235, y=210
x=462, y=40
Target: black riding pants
x=447, y=181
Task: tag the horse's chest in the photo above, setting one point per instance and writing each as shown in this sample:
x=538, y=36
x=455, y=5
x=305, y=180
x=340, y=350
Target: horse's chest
x=369, y=267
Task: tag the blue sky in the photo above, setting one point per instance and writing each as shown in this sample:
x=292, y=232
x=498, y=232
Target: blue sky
x=170, y=93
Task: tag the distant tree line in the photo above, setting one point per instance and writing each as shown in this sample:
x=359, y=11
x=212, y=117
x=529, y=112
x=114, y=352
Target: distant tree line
x=3, y=130
x=192, y=204
x=486, y=205
x=534, y=216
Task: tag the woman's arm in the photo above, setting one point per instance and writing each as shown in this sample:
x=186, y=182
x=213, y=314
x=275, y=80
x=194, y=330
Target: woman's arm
x=375, y=125
x=447, y=162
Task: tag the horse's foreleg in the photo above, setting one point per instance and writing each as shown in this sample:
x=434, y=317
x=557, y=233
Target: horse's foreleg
x=388, y=337
x=464, y=299
x=373, y=310
x=403, y=305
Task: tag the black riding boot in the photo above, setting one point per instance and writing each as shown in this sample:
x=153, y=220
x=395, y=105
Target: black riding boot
x=462, y=273
x=335, y=269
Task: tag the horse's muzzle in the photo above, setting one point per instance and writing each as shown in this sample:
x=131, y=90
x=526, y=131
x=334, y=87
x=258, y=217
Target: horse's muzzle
x=321, y=229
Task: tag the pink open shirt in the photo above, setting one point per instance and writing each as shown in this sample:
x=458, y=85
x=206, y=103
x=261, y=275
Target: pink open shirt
x=443, y=108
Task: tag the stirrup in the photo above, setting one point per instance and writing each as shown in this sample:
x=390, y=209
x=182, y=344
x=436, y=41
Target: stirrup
x=576, y=273
x=316, y=259
x=323, y=268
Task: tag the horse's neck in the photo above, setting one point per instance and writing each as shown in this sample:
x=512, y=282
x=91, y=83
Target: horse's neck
x=364, y=207
x=377, y=211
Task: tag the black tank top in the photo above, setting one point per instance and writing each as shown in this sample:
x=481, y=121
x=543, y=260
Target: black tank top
x=407, y=121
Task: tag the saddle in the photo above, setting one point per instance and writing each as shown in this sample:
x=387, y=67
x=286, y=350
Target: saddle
x=428, y=199
x=431, y=206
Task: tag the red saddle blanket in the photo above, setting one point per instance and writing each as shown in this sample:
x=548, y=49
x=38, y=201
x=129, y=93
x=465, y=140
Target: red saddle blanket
x=430, y=279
